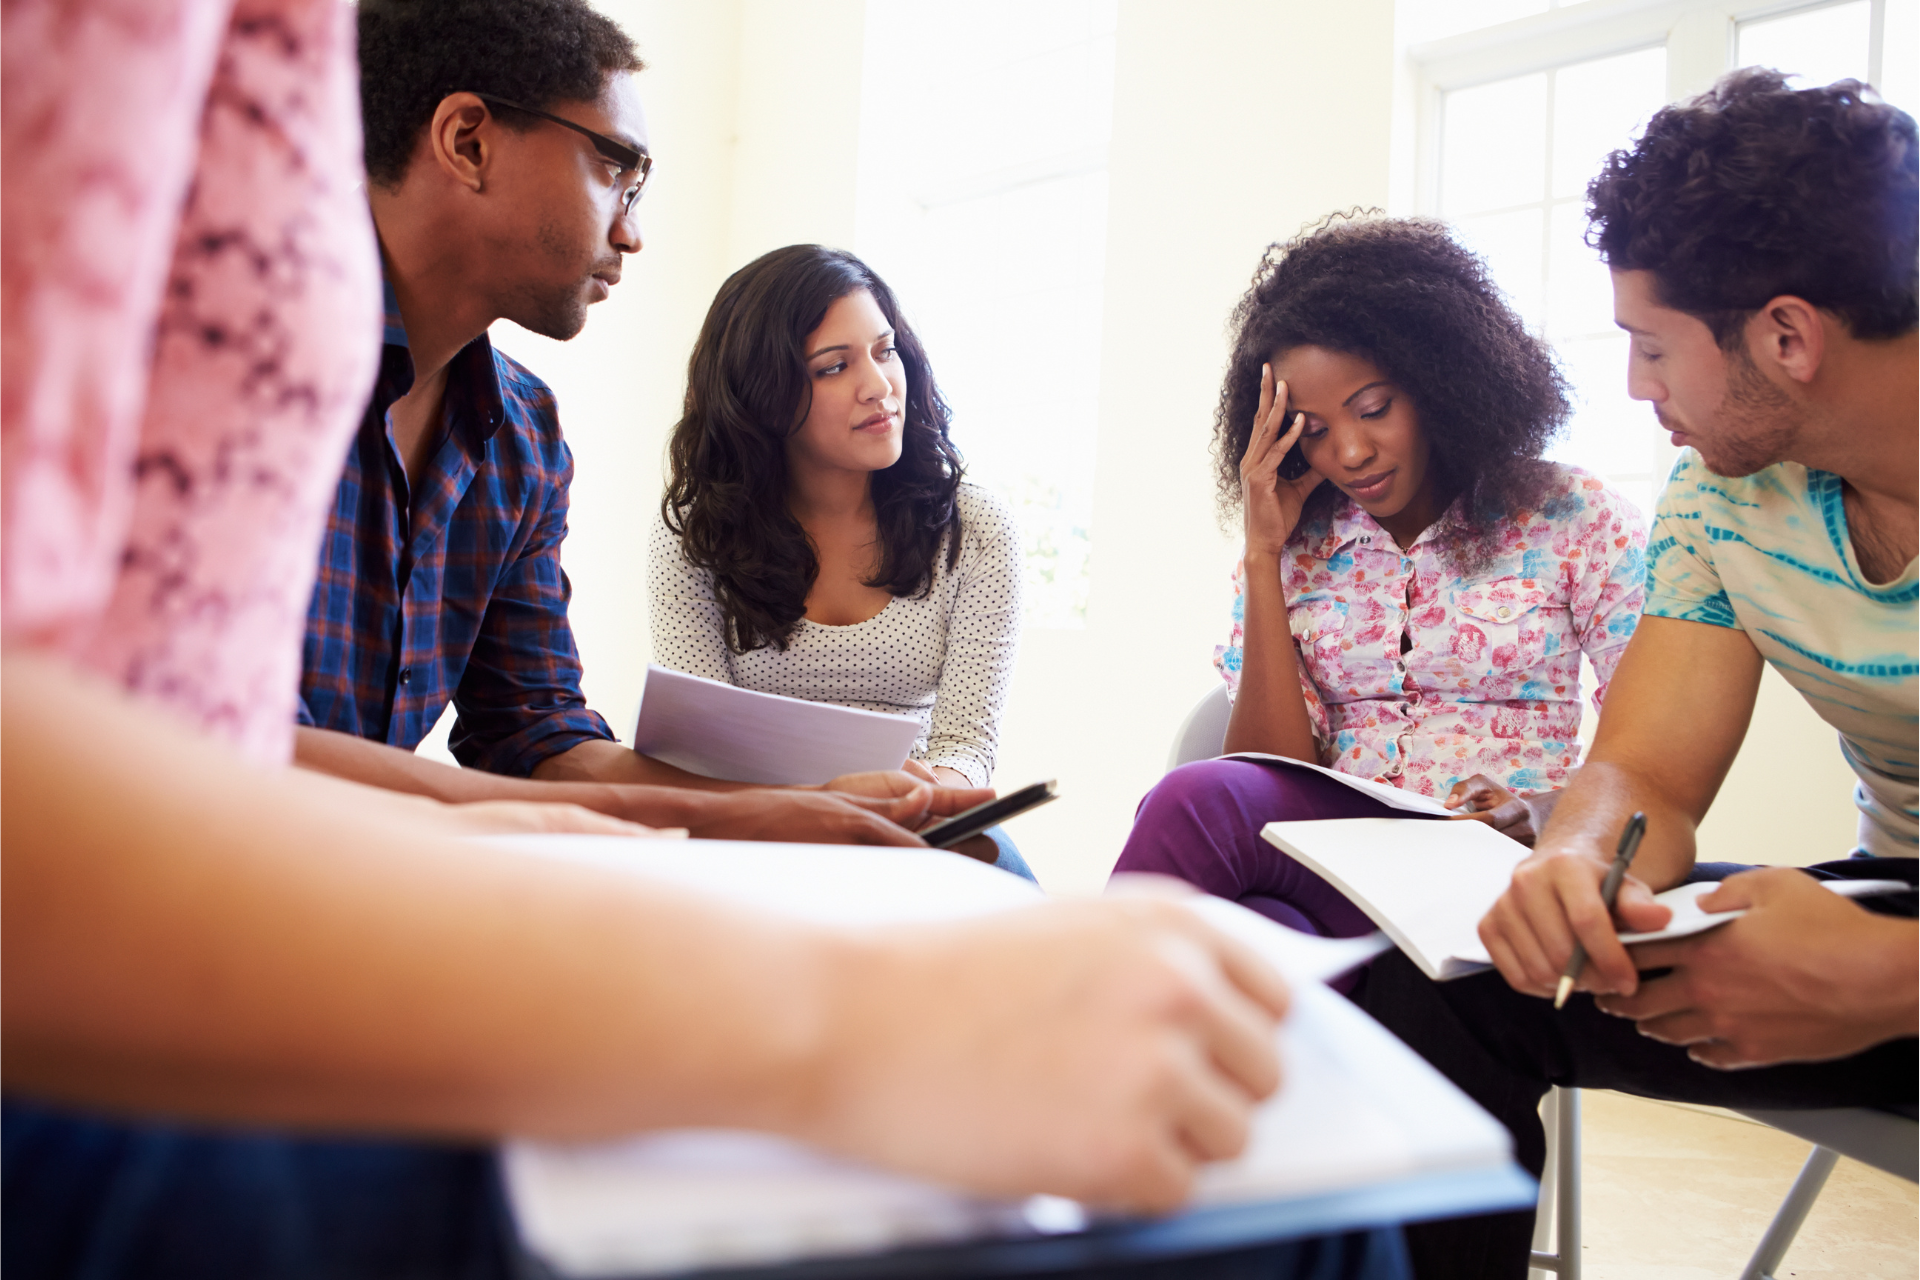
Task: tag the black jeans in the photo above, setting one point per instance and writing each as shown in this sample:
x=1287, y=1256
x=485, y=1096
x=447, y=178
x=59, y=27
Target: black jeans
x=1506, y=1049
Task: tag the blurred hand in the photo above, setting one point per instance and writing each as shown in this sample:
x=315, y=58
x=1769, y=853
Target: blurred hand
x=805, y=816
x=1553, y=899
x=919, y=771
x=907, y=799
x=1097, y=1050
x=1804, y=976
x=521, y=817
x=1272, y=505
x=1484, y=800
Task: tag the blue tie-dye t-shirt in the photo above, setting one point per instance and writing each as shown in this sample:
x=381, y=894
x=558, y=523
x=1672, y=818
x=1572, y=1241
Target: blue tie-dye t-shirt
x=1768, y=554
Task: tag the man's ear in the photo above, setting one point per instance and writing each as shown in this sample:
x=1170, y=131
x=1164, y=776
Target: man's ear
x=1788, y=334
x=459, y=139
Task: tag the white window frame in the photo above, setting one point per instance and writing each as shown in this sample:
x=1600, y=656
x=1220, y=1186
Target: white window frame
x=1700, y=36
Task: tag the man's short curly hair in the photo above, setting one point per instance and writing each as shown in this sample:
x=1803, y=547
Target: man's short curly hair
x=1754, y=190
x=413, y=53
x=1407, y=297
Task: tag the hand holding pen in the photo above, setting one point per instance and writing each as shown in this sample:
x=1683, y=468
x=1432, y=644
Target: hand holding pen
x=1609, y=890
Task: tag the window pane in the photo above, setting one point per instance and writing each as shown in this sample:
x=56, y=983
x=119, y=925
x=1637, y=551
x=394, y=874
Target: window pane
x=1511, y=244
x=1597, y=108
x=1493, y=147
x=1579, y=294
x=1610, y=433
x=1818, y=45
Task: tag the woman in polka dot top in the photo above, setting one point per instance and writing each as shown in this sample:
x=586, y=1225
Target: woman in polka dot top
x=816, y=538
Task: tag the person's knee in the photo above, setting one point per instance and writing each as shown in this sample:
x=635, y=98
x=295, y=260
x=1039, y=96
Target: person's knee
x=1192, y=784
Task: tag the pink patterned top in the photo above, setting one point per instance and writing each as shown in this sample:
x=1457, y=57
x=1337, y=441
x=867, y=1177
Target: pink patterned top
x=1491, y=683
x=191, y=325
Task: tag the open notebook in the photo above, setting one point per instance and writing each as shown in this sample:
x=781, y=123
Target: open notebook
x=1362, y=1132
x=718, y=730
x=1427, y=884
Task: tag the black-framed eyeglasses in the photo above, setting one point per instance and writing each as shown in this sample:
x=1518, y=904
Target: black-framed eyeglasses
x=629, y=159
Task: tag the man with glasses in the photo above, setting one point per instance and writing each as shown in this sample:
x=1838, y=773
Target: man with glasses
x=506, y=155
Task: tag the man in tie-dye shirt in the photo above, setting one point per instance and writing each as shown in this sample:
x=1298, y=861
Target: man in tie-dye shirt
x=1763, y=248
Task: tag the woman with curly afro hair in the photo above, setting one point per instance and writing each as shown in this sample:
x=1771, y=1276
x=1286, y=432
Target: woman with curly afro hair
x=1418, y=585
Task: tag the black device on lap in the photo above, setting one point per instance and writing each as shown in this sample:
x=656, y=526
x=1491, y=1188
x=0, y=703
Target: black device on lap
x=964, y=826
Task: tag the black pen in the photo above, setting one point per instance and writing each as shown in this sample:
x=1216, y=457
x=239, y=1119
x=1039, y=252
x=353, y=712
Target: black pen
x=1609, y=890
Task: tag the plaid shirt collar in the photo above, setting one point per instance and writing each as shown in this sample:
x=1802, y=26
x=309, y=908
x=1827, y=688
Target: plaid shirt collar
x=473, y=390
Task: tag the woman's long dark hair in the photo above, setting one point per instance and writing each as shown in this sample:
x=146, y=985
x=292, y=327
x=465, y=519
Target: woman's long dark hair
x=747, y=391
x=1406, y=296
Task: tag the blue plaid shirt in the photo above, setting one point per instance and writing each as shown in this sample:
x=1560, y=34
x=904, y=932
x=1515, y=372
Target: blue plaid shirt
x=453, y=592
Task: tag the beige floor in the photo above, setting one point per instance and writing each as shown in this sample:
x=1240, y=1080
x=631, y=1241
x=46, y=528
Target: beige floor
x=1676, y=1193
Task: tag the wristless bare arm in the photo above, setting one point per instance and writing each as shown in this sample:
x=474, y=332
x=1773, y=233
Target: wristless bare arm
x=184, y=934
x=1269, y=711
x=1676, y=713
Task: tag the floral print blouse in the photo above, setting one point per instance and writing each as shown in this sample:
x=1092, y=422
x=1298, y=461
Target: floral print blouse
x=1491, y=681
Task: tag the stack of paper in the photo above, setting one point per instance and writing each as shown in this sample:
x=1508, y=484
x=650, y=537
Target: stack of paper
x=1359, y=1114
x=721, y=731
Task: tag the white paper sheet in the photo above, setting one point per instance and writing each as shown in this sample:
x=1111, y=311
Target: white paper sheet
x=1358, y=1108
x=720, y=731
x=1385, y=793
x=1427, y=884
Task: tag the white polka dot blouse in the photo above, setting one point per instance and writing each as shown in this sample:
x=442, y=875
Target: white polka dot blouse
x=947, y=659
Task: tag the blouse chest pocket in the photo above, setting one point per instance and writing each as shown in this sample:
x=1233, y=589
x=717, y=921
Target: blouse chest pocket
x=1319, y=629
x=1512, y=618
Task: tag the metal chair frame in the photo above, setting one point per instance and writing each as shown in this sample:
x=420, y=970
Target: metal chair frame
x=1881, y=1139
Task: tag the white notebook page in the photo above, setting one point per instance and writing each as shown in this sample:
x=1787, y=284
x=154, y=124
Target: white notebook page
x=1357, y=1107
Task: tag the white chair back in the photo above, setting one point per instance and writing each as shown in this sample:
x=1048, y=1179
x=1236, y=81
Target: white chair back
x=1204, y=732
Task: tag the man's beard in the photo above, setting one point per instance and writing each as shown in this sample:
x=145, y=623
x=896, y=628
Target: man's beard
x=557, y=312
x=1758, y=420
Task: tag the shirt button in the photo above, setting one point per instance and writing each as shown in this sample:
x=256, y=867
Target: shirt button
x=406, y=674
x=1505, y=612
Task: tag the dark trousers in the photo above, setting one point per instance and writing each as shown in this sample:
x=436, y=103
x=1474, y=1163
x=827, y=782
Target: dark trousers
x=96, y=1199
x=1506, y=1050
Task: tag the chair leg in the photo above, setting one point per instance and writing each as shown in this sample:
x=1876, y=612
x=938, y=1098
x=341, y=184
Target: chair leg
x=1561, y=1188
x=1549, y=1202
x=1793, y=1211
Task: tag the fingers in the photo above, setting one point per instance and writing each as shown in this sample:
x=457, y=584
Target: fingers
x=1215, y=1118
x=920, y=771
x=1639, y=911
x=1609, y=967
x=1752, y=888
x=947, y=801
x=872, y=828
x=1239, y=1001
x=1531, y=920
x=1517, y=952
x=1656, y=998
x=1270, y=439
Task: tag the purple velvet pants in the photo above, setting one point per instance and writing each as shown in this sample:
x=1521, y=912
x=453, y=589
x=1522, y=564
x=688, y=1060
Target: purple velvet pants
x=1201, y=823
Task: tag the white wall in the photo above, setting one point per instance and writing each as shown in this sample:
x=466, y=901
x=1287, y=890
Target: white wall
x=1235, y=122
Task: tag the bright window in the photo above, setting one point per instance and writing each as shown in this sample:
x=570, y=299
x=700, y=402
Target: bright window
x=983, y=202
x=1816, y=46
x=1515, y=159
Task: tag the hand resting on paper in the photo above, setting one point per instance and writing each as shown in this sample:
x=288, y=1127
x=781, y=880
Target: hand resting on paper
x=1553, y=898
x=1806, y=975
x=1098, y=1050
x=1519, y=818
